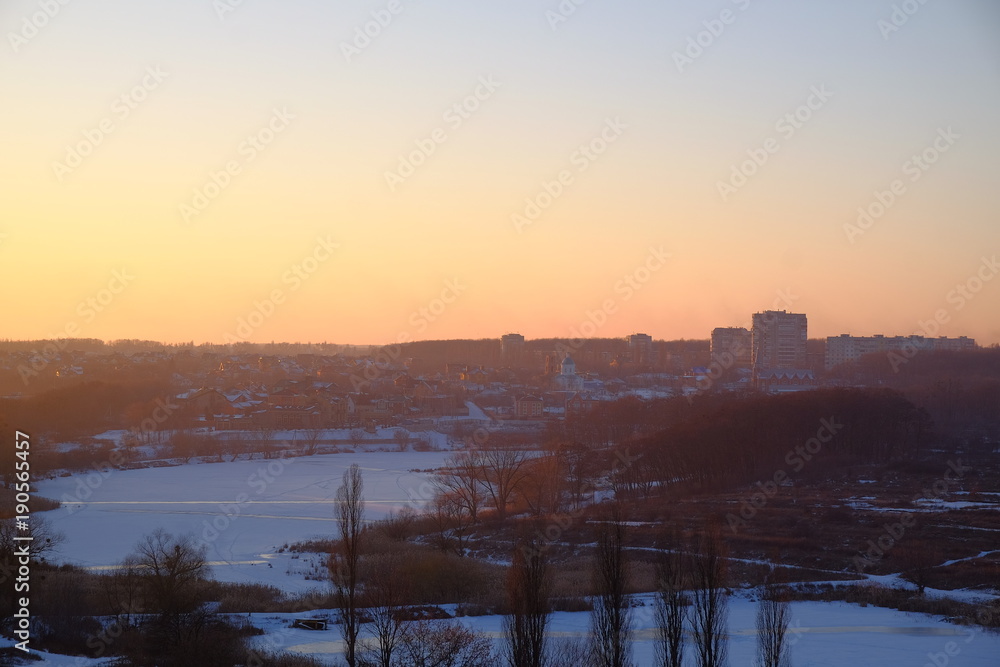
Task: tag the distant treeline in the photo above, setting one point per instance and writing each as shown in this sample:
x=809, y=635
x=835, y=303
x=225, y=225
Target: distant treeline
x=133, y=346
x=960, y=390
x=80, y=409
x=721, y=445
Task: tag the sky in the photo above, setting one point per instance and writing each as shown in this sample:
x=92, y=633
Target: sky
x=370, y=172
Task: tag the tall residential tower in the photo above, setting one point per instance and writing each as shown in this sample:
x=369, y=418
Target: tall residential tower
x=778, y=340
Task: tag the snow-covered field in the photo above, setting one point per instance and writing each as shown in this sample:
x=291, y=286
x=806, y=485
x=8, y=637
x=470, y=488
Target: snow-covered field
x=246, y=510
x=822, y=635
x=243, y=510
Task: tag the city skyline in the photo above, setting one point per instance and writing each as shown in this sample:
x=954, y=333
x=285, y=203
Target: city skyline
x=534, y=332
x=175, y=171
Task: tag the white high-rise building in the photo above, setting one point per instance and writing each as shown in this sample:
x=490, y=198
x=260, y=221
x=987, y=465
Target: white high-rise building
x=778, y=340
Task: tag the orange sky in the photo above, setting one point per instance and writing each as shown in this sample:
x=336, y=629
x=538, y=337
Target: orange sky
x=311, y=226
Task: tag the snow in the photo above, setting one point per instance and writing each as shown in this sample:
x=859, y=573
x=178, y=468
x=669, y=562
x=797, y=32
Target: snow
x=475, y=414
x=822, y=634
x=956, y=504
x=53, y=659
x=244, y=511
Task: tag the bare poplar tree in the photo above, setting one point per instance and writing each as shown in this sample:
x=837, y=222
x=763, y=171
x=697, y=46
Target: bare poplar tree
x=670, y=606
x=528, y=602
x=710, y=612
x=611, y=616
x=385, y=593
x=773, y=618
x=349, y=512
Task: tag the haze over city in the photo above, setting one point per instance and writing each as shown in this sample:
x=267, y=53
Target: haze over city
x=523, y=333
x=421, y=151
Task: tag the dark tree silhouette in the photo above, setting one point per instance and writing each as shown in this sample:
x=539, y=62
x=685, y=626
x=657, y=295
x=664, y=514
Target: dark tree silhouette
x=528, y=602
x=670, y=606
x=709, y=613
x=773, y=617
x=349, y=512
x=611, y=617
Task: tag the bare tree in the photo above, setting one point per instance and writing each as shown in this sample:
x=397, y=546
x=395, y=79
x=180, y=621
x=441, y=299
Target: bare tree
x=504, y=469
x=349, y=512
x=773, y=618
x=246, y=442
x=918, y=563
x=123, y=590
x=451, y=520
x=462, y=479
x=44, y=538
x=401, y=437
x=173, y=572
x=670, y=607
x=265, y=437
x=312, y=438
x=439, y=644
x=542, y=487
x=228, y=447
x=185, y=445
x=710, y=613
x=582, y=470
x=612, y=623
x=568, y=652
x=528, y=602
x=385, y=593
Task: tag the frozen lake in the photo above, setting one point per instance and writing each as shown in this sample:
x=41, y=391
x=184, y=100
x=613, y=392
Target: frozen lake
x=243, y=510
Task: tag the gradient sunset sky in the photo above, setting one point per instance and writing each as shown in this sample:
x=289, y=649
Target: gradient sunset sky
x=209, y=78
